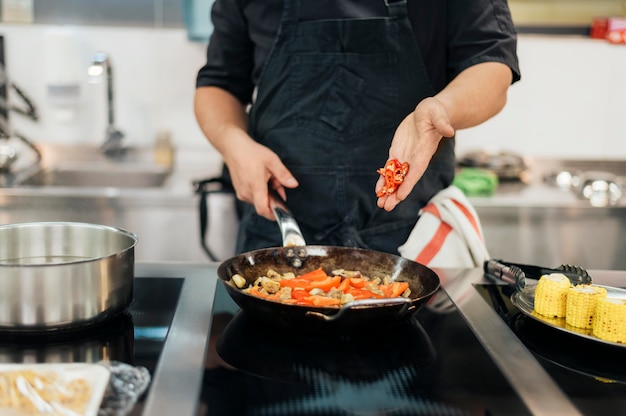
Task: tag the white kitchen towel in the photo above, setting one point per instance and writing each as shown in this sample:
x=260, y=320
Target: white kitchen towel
x=447, y=234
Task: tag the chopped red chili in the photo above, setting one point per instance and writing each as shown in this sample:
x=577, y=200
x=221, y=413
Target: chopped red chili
x=394, y=173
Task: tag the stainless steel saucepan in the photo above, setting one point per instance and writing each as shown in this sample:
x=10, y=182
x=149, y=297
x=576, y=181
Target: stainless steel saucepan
x=57, y=275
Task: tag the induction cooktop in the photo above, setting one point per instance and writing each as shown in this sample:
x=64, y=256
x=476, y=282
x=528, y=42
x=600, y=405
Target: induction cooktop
x=430, y=365
x=135, y=336
x=591, y=374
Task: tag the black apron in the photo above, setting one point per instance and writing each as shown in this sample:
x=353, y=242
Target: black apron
x=329, y=100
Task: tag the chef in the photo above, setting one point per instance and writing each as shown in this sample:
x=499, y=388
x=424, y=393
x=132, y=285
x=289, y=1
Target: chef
x=312, y=97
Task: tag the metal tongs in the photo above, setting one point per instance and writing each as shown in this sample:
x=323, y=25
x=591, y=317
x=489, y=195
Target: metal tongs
x=515, y=273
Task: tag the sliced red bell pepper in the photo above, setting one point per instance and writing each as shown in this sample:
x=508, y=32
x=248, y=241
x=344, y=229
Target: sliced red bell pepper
x=295, y=283
x=254, y=290
x=359, y=294
x=317, y=300
x=299, y=294
x=357, y=282
x=325, y=284
x=398, y=288
x=345, y=283
x=317, y=274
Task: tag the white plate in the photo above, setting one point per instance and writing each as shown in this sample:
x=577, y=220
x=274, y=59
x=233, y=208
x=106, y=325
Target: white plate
x=96, y=376
x=525, y=304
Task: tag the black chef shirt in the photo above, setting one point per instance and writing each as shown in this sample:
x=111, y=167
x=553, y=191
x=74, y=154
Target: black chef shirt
x=452, y=36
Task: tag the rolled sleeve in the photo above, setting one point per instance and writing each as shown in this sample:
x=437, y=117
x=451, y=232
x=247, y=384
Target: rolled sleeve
x=481, y=31
x=230, y=54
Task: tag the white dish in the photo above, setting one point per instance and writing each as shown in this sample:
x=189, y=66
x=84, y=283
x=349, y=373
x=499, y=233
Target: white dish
x=96, y=376
x=527, y=305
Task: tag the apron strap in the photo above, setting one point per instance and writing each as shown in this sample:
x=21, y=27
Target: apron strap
x=291, y=10
x=397, y=8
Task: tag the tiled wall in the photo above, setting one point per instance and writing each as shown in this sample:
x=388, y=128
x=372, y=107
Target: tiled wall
x=571, y=100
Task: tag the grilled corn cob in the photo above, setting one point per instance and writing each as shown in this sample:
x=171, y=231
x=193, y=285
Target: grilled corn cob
x=610, y=321
x=560, y=322
x=551, y=295
x=581, y=305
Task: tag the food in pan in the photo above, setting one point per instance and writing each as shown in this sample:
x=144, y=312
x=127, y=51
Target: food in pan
x=30, y=392
x=581, y=305
x=394, y=173
x=610, y=320
x=551, y=295
x=317, y=288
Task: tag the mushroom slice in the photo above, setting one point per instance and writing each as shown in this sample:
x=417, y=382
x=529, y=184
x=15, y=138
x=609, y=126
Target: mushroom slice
x=239, y=281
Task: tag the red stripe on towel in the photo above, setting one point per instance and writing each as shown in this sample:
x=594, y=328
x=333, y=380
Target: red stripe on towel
x=436, y=242
x=469, y=217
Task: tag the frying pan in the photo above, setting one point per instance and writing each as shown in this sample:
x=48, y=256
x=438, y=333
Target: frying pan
x=295, y=256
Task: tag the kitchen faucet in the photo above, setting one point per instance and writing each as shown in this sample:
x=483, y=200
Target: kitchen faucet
x=102, y=63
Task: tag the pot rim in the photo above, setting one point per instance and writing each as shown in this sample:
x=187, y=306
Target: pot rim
x=133, y=240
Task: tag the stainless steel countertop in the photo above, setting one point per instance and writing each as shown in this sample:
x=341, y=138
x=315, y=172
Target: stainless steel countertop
x=531, y=382
x=190, y=164
x=534, y=190
x=176, y=388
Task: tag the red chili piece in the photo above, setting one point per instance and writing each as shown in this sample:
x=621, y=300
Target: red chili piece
x=394, y=173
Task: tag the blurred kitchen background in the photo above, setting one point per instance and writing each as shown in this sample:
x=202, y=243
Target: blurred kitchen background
x=570, y=104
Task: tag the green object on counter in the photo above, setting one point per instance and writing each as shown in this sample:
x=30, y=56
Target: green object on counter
x=476, y=181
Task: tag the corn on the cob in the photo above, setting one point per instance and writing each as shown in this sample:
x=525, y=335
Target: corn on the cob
x=551, y=295
x=581, y=305
x=582, y=331
x=610, y=321
x=560, y=322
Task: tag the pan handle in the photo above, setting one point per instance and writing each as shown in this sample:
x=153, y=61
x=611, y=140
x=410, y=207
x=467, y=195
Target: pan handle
x=292, y=236
x=359, y=303
x=289, y=229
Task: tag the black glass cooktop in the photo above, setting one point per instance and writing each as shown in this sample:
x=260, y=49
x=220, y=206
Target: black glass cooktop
x=135, y=336
x=592, y=374
x=430, y=365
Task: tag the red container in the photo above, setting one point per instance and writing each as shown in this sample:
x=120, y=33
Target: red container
x=599, y=27
x=612, y=29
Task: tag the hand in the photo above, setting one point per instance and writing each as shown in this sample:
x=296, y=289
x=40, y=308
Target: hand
x=252, y=168
x=415, y=141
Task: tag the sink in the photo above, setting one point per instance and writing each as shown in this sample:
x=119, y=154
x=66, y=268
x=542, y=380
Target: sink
x=99, y=176
x=87, y=166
